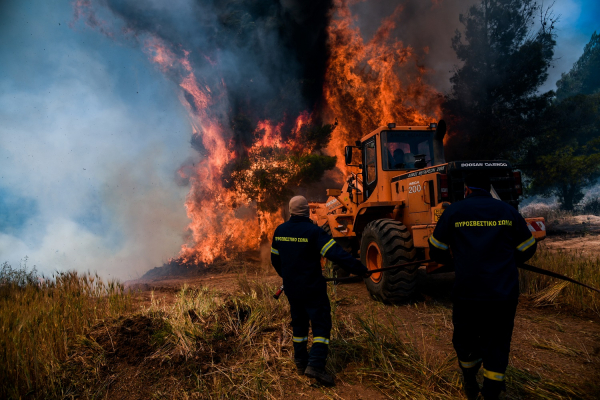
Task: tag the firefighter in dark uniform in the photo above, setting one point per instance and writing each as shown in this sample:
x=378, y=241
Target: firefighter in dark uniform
x=486, y=239
x=296, y=256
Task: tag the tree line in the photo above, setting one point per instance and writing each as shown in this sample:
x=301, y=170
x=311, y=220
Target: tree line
x=497, y=112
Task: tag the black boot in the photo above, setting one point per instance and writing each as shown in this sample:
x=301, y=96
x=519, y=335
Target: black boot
x=300, y=365
x=320, y=375
x=471, y=387
x=470, y=381
x=491, y=389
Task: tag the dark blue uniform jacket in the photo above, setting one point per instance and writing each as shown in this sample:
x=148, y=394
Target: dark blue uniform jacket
x=487, y=238
x=296, y=255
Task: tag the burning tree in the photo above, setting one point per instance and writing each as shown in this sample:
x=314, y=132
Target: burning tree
x=267, y=175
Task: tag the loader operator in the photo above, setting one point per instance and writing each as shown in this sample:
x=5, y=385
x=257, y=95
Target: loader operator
x=487, y=239
x=296, y=256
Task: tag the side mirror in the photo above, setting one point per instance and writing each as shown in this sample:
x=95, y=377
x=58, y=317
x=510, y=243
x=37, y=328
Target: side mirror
x=438, y=143
x=348, y=155
x=440, y=132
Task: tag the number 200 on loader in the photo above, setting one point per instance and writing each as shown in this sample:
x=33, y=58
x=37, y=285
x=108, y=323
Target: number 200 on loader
x=388, y=208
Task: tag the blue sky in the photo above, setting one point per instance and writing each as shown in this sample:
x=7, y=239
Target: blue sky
x=92, y=134
x=579, y=19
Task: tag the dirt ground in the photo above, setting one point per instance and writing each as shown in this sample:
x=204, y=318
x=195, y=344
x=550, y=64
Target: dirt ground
x=580, y=232
x=586, y=243
x=554, y=344
x=576, y=224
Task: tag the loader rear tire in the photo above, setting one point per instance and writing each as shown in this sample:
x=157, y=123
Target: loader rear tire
x=386, y=242
x=346, y=245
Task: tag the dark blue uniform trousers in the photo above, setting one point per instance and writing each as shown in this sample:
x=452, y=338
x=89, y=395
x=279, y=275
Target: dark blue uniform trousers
x=318, y=314
x=482, y=334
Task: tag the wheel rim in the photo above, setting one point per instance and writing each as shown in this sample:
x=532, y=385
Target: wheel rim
x=374, y=261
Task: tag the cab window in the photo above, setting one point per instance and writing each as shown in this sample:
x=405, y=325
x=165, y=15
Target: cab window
x=371, y=162
x=400, y=147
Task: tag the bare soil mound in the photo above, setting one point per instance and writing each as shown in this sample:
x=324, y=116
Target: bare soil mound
x=130, y=340
x=132, y=357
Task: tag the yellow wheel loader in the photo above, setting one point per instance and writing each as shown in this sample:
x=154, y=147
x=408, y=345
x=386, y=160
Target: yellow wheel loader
x=388, y=207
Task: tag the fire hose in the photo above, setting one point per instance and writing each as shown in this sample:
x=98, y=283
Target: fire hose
x=542, y=271
x=526, y=267
x=373, y=271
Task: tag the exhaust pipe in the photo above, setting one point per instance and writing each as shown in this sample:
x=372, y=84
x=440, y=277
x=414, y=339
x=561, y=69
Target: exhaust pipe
x=438, y=143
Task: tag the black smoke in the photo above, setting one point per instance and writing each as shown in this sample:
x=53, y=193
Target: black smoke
x=427, y=26
x=264, y=59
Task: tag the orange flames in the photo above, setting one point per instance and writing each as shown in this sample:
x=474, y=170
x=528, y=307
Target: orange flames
x=374, y=83
x=366, y=85
x=214, y=225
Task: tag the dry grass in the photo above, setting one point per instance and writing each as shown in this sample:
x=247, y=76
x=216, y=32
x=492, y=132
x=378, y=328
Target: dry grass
x=549, y=295
x=555, y=345
x=77, y=337
x=37, y=318
x=252, y=336
x=525, y=384
x=550, y=291
x=376, y=348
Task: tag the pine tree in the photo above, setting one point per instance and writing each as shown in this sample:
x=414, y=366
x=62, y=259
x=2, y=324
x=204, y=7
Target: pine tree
x=494, y=97
x=566, y=155
x=584, y=77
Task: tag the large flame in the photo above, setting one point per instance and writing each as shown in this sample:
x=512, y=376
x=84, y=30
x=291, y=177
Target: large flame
x=374, y=83
x=222, y=221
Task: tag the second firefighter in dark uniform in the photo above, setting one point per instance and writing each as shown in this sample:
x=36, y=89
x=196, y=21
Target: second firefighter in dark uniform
x=487, y=239
x=296, y=252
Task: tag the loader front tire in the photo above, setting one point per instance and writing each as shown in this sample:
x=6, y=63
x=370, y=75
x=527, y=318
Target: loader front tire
x=387, y=242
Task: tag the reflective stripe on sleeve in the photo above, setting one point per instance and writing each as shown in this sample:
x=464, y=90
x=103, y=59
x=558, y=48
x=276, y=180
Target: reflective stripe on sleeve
x=274, y=251
x=299, y=339
x=327, y=247
x=526, y=244
x=469, y=364
x=495, y=376
x=321, y=339
x=437, y=243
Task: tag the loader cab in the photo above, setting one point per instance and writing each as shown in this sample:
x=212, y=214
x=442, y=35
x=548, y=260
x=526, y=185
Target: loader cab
x=389, y=149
